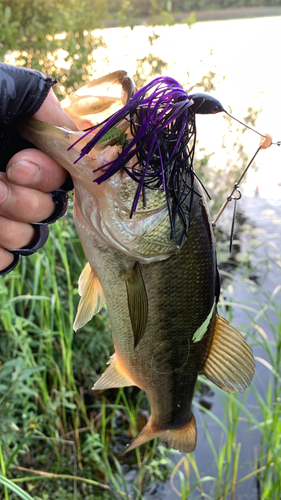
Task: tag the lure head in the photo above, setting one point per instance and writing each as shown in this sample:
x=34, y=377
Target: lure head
x=205, y=104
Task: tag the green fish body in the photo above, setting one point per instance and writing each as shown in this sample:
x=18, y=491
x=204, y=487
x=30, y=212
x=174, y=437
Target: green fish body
x=161, y=295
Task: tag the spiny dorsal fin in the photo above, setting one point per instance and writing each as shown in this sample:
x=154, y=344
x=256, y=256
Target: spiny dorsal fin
x=113, y=376
x=183, y=439
x=92, y=297
x=230, y=363
x=137, y=302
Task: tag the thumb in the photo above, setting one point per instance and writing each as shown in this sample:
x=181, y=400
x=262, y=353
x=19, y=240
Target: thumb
x=51, y=112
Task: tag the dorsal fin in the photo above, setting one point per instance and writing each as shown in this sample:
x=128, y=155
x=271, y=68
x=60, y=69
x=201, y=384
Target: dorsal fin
x=137, y=302
x=230, y=363
x=92, y=297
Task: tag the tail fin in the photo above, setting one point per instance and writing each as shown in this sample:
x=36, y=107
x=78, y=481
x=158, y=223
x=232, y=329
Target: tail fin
x=182, y=439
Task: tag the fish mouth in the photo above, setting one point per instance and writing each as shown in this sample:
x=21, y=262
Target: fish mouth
x=156, y=127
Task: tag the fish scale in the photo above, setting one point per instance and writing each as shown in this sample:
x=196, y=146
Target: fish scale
x=171, y=315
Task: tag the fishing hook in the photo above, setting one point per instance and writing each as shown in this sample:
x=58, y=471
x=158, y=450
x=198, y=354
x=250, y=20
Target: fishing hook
x=264, y=144
x=235, y=188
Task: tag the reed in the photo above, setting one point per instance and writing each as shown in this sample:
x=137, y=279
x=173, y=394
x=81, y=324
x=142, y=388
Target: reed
x=58, y=439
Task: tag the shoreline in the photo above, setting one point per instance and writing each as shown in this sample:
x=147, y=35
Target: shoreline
x=208, y=15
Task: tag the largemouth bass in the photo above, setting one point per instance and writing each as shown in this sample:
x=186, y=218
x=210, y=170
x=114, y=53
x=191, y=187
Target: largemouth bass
x=149, y=242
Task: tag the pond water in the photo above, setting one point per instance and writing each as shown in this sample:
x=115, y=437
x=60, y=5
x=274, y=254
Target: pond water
x=243, y=54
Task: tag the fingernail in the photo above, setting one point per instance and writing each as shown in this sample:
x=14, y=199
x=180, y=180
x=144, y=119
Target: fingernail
x=3, y=191
x=24, y=172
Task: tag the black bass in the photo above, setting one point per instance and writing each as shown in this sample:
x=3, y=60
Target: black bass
x=145, y=228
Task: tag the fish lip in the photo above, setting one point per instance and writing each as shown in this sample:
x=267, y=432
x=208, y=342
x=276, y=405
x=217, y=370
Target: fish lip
x=38, y=126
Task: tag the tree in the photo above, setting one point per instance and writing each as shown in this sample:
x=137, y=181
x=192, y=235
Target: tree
x=39, y=31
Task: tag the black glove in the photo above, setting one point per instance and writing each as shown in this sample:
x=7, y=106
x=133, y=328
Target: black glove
x=22, y=93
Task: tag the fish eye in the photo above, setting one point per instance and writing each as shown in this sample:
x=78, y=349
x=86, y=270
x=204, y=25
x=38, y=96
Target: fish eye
x=216, y=109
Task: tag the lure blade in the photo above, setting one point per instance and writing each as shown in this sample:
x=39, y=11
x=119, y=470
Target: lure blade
x=232, y=225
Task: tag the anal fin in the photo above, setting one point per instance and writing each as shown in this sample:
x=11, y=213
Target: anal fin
x=230, y=363
x=92, y=297
x=113, y=377
x=182, y=439
x=137, y=302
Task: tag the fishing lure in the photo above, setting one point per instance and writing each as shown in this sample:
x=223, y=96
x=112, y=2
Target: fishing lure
x=236, y=194
x=161, y=117
x=162, y=141
x=206, y=104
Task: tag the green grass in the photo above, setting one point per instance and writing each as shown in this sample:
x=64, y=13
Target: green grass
x=58, y=439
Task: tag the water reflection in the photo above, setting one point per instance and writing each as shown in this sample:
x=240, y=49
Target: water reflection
x=204, y=396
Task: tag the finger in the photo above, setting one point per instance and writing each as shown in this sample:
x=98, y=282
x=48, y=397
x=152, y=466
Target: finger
x=15, y=234
x=24, y=204
x=6, y=258
x=35, y=169
x=51, y=112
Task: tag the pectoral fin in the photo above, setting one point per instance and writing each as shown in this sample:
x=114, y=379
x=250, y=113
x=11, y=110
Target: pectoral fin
x=113, y=377
x=230, y=363
x=92, y=297
x=137, y=302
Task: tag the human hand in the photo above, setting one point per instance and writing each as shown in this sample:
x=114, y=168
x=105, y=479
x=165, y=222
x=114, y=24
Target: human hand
x=30, y=175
